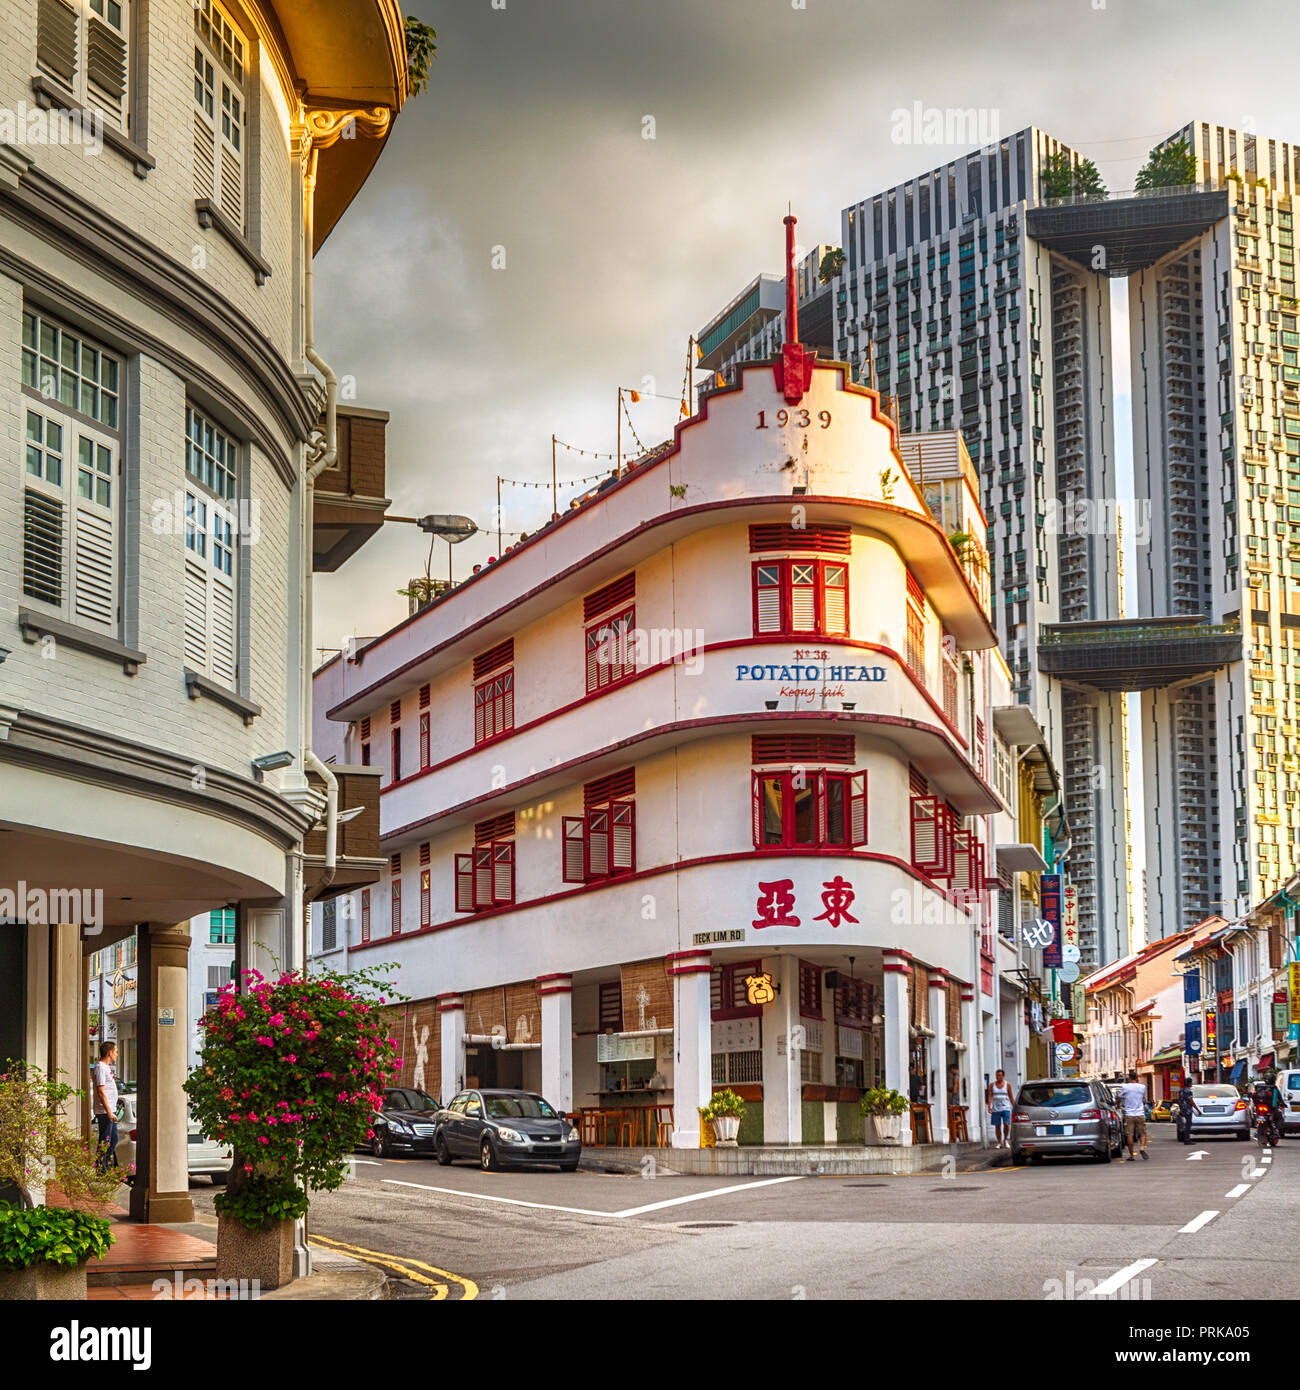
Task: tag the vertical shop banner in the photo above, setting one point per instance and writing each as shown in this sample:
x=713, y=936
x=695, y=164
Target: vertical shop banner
x=1295, y=993
x=1211, y=1034
x=1049, y=909
x=1070, y=915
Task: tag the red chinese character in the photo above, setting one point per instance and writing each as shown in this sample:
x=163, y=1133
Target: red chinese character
x=776, y=904
x=837, y=900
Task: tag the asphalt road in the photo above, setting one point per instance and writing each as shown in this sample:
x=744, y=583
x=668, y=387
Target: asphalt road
x=1176, y=1226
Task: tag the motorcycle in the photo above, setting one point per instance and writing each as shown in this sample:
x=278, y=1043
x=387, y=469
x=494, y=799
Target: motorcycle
x=1266, y=1130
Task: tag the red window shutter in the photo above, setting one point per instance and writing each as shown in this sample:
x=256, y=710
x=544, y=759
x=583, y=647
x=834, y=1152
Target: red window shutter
x=424, y=854
x=464, y=883
x=623, y=837
x=503, y=872
x=424, y=741
x=803, y=597
x=424, y=898
x=927, y=834
x=397, y=906
x=424, y=697
x=574, y=835
x=801, y=748
x=767, y=599
x=756, y=808
x=395, y=763
x=611, y=1007
x=395, y=711
x=715, y=990
x=480, y=713
x=616, y=786
x=598, y=843
x=503, y=654
x=594, y=662
x=914, y=590
x=365, y=728
x=917, y=782
x=960, y=880
x=827, y=540
x=365, y=914
x=365, y=755
x=771, y=798
x=482, y=876
x=495, y=828
x=835, y=600
x=820, y=809
x=857, y=809
x=508, y=701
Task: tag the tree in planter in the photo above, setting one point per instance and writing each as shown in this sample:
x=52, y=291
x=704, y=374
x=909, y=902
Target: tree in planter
x=290, y=1077
x=1064, y=179
x=1174, y=166
x=726, y=1105
x=883, y=1102
x=38, y=1147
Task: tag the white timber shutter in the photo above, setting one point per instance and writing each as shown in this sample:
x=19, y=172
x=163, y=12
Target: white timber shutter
x=106, y=59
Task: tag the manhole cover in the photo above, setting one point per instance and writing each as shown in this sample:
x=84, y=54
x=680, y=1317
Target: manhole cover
x=956, y=1189
x=866, y=1184
x=703, y=1225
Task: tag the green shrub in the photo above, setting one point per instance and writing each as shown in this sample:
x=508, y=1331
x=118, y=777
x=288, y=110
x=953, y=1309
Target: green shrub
x=882, y=1101
x=726, y=1104
x=55, y=1235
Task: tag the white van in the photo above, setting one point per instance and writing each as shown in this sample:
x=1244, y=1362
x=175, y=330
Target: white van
x=1289, y=1084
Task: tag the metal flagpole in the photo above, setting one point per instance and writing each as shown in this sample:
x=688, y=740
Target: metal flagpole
x=555, y=503
x=498, y=516
x=618, y=456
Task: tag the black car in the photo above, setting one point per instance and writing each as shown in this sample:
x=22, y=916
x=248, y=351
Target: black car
x=505, y=1129
x=405, y=1124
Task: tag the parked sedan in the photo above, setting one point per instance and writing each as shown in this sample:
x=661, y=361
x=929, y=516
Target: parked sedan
x=404, y=1124
x=205, y=1157
x=1065, y=1117
x=1223, y=1111
x=506, y=1129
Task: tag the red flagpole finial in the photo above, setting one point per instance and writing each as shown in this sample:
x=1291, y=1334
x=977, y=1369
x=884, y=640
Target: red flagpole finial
x=791, y=299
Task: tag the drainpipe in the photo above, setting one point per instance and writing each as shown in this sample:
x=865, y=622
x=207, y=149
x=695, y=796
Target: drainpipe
x=326, y=460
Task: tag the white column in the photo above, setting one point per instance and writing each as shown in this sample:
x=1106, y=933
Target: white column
x=451, y=1024
x=830, y=1115
x=897, y=967
x=692, y=1044
x=939, y=984
x=782, y=1046
x=973, y=1097
x=556, y=995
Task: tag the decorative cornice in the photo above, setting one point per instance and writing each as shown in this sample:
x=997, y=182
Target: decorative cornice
x=323, y=127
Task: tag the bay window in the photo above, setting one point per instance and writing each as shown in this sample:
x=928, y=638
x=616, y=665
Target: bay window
x=793, y=597
x=809, y=808
x=72, y=474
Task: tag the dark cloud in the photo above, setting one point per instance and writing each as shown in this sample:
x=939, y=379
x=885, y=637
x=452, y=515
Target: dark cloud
x=530, y=138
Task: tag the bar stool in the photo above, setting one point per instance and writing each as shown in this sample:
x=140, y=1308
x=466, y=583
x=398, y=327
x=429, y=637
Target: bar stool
x=921, y=1129
x=663, y=1124
x=590, y=1130
x=958, y=1132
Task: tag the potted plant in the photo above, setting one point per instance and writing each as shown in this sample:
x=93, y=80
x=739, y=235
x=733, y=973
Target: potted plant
x=725, y=1112
x=884, y=1108
x=44, y=1249
x=289, y=1077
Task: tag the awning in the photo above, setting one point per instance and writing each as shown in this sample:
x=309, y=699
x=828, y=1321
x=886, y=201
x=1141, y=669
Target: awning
x=1238, y=1071
x=1021, y=859
x=1167, y=1055
x=1265, y=1062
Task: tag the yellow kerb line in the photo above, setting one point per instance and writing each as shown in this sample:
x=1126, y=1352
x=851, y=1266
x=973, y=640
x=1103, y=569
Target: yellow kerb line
x=407, y=1265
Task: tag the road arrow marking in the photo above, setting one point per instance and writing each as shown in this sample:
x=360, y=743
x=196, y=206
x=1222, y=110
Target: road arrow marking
x=1192, y=1226
x=1200, y=1153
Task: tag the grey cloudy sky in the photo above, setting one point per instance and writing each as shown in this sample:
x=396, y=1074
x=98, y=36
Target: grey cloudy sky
x=617, y=247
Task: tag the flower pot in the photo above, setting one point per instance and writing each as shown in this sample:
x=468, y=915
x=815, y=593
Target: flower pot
x=725, y=1129
x=43, y=1281
x=264, y=1256
x=884, y=1129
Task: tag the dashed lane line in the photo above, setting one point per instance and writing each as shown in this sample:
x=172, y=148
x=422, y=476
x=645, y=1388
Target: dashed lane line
x=1238, y=1190
x=1118, y=1279
x=1195, y=1225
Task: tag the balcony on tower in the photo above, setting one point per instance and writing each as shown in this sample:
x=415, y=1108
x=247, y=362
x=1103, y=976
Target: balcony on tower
x=1137, y=653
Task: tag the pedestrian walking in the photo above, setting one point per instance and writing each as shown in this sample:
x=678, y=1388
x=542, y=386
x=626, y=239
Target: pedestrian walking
x=1187, y=1107
x=999, y=1105
x=1133, y=1099
x=104, y=1105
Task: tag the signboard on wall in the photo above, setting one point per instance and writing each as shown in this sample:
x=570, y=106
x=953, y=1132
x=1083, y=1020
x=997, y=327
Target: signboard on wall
x=1211, y=1033
x=611, y=1048
x=1049, y=909
x=736, y=1035
x=1070, y=922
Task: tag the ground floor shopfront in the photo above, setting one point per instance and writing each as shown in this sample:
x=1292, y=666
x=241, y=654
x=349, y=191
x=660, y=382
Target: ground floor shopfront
x=635, y=1050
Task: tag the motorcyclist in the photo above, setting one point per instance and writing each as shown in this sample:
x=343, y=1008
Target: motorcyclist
x=1271, y=1094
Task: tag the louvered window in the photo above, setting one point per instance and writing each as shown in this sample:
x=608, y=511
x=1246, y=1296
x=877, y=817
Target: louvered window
x=424, y=741
x=801, y=596
x=933, y=831
x=220, y=117
x=601, y=843
x=610, y=650
x=85, y=46
x=485, y=877
x=820, y=540
x=71, y=474
x=211, y=551
x=494, y=706
x=365, y=914
x=614, y=595
x=807, y=809
x=395, y=892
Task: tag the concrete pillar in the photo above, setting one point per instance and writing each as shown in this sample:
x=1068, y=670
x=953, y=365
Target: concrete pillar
x=556, y=995
x=939, y=1055
x=897, y=967
x=692, y=1043
x=785, y=1039
x=830, y=1116
x=162, y=1185
x=68, y=1043
x=972, y=1087
x=451, y=1022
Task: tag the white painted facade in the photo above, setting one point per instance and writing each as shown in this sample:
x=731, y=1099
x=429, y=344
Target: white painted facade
x=688, y=901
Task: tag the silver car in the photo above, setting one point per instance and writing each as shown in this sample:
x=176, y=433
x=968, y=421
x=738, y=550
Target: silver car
x=1223, y=1111
x=1065, y=1116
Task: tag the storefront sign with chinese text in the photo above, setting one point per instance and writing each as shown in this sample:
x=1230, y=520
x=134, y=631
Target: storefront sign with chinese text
x=1049, y=909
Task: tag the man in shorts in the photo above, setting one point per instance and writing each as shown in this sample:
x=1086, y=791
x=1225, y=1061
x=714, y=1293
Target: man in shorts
x=1133, y=1101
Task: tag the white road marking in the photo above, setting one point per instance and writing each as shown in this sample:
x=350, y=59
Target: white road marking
x=1257, y=1172
x=701, y=1196
x=507, y=1201
x=1203, y=1220
x=1118, y=1279
x=1199, y=1154
x=1268, y=1158
x=1238, y=1190
x=369, y=1162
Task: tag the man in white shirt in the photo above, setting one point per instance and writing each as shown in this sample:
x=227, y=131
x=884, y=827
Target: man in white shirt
x=1133, y=1100
x=104, y=1105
